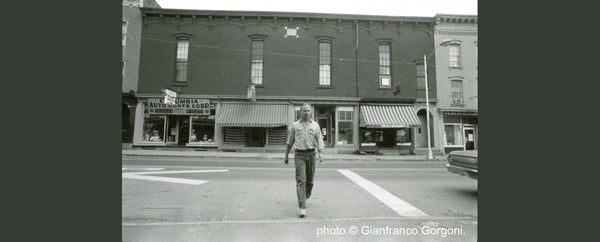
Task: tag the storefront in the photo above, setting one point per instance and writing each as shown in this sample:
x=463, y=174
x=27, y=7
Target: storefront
x=253, y=124
x=190, y=122
x=460, y=130
x=387, y=127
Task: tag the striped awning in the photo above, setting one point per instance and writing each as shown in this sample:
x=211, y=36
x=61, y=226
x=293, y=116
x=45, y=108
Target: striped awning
x=388, y=116
x=252, y=115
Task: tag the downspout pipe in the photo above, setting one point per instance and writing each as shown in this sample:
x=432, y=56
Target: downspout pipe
x=356, y=60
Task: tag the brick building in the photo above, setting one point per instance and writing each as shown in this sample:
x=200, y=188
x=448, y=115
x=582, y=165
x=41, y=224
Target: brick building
x=361, y=74
x=131, y=31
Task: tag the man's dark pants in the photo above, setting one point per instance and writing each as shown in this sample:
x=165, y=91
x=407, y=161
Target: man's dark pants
x=305, y=171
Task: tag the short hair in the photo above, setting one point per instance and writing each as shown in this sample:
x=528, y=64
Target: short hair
x=305, y=104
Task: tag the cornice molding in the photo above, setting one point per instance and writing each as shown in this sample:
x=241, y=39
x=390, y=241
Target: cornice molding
x=276, y=24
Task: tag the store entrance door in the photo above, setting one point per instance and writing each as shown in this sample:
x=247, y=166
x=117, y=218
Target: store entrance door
x=255, y=136
x=325, y=124
x=387, y=138
x=184, y=130
x=469, y=138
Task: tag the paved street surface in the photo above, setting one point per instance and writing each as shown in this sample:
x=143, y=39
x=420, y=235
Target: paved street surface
x=211, y=199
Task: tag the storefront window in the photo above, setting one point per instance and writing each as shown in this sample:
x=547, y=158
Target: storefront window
x=452, y=133
x=203, y=130
x=154, y=128
x=368, y=138
x=403, y=137
x=345, y=125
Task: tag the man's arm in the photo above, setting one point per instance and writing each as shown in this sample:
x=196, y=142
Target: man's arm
x=285, y=159
x=290, y=142
x=320, y=144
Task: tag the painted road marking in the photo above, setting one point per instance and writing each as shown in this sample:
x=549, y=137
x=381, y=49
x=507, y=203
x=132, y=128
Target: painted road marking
x=400, y=206
x=145, y=169
x=143, y=176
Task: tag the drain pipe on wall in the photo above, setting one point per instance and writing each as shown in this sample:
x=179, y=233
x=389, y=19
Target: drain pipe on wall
x=356, y=59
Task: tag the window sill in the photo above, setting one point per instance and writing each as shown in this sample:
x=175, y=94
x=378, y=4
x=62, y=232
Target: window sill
x=457, y=105
x=259, y=86
x=183, y=84
x=386, y=88
x=455, y=67
x=324, y=87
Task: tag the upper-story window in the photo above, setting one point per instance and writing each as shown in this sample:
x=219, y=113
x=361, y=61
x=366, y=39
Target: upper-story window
x=454, y=55
x=181, y=62
x=385, y=77
x=421, y=76
x=457, y=92
x=256, y=75
x=325, y=61
x=124, y=34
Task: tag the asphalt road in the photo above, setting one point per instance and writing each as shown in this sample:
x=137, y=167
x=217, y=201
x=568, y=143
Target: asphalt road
x=191, y=199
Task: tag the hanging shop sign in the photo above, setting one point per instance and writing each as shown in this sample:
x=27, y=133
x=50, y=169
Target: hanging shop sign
x=190, y=106
x=170, y=96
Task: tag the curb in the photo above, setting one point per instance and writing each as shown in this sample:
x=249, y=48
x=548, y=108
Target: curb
x=366, y=159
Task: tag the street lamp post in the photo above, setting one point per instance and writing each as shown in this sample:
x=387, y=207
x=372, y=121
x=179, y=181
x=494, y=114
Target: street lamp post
x=429, y=152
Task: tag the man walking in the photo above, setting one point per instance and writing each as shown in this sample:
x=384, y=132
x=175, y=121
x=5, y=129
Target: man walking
x=307, y=140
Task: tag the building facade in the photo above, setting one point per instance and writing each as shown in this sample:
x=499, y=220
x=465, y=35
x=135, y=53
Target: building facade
x=241, y=77
x=456, y=51
x=131, y=23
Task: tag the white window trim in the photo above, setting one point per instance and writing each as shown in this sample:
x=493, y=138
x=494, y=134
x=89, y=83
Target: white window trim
x=346, y=109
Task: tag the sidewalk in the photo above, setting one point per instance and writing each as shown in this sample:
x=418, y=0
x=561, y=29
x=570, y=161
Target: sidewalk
x=275, y=156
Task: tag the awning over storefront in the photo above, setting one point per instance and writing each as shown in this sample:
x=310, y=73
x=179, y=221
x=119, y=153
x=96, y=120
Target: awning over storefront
x=388, y=116
x=252, y=115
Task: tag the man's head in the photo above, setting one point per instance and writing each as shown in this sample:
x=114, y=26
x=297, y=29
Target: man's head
x=305, y=111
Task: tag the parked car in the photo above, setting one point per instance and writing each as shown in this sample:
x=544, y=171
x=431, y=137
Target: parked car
x=463, y=162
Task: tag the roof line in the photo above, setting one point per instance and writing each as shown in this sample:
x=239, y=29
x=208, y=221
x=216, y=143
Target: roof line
x=284, y=14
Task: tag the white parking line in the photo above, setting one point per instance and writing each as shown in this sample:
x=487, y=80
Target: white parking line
x=141, y=176
x=398, y=205
x=164, y=179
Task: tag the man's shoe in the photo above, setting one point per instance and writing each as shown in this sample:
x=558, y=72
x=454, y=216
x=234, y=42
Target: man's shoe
x=302, y=212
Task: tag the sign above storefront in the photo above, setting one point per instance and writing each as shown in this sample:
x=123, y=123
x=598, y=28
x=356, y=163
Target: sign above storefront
x=182, y=106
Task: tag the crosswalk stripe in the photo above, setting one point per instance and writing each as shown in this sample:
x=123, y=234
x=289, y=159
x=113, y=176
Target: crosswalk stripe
x=398, y=205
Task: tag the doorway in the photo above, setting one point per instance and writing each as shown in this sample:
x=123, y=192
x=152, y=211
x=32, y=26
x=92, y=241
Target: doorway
x=325, y=118
x=184, y=130
x=469, y=138
x=178, y=132
x=325, y=124
x=255, y=136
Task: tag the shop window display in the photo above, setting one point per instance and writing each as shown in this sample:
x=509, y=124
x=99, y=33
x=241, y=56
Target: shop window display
x=452, y=133
x=368, y=138
x=154, y=128
x=403, y=137
x=203, y=130
x=345, y=120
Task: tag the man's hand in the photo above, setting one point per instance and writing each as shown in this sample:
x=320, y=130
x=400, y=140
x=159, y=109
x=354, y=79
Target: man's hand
x=285, y=160
x=320, y=157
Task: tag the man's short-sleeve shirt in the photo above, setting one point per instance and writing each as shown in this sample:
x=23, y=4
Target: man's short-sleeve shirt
x=306, y=137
